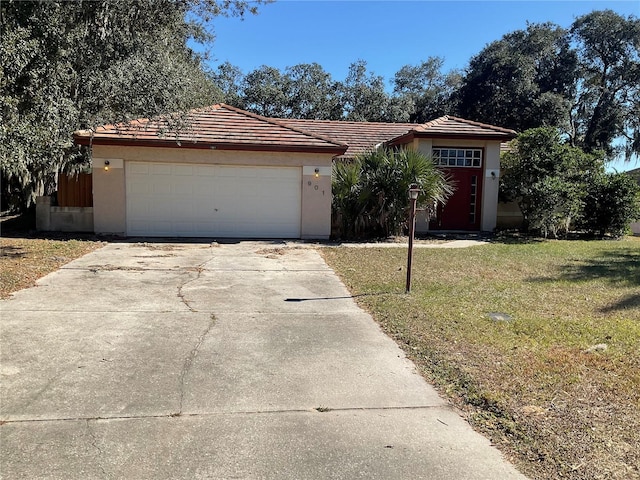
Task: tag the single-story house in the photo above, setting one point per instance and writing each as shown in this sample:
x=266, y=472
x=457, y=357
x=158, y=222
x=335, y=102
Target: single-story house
x=231, y=173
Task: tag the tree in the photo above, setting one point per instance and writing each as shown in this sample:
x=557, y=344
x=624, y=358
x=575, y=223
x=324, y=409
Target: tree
x=72, y=65
x=364, y=98
x=370, y=194
x=608, y=102
x=525, y=80
x=265, y=92
x=428, y=92
x=559, y=187
x=229, y=79
x=547, y=178
x=312, y=93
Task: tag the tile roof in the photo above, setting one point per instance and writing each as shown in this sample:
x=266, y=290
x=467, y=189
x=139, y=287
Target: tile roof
x=454, y=126
x=219, y=126
x=224, y=127
x=362, y=136
x=359, y=136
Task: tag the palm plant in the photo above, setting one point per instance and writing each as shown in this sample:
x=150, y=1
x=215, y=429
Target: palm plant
x=346, y=186
x=370, y=193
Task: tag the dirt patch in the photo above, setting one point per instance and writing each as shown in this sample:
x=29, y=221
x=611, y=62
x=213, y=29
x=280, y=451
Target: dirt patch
x=272, y=252
x=160, y=247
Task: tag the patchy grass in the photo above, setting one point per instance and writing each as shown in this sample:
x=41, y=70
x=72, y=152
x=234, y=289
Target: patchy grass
x=24, y=260
x=558, y=407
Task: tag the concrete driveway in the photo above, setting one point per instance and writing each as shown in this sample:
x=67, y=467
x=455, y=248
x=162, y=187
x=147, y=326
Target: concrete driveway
x=192, y=361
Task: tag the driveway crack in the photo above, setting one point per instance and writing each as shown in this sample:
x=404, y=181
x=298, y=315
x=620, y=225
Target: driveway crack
x=93, y=441
x=188, y=362
x=199, y=269
x=181, y=296
x=306, y=410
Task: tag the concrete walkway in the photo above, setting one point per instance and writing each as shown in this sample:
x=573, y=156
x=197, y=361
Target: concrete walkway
x=466, y=243
x=193, y=361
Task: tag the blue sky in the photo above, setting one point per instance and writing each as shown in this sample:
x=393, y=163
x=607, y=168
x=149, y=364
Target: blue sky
x=386, y=34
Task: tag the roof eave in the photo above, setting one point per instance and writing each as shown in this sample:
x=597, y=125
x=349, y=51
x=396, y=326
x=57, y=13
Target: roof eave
x=160, y=143
x=408, y=137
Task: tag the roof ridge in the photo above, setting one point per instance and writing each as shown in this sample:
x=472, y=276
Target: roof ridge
x=279, y=123
x=434, y=122
x=355, y=122
x=480, y=124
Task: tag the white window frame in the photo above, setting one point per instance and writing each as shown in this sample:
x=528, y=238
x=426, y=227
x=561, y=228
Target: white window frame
x=457, y=157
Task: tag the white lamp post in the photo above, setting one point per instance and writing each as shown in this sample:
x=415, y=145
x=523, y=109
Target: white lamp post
x=414, y=191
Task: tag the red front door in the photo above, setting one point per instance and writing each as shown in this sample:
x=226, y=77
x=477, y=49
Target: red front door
x=462, y=211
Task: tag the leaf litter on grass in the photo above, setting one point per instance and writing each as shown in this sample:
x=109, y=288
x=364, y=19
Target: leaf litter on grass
x=24, y=260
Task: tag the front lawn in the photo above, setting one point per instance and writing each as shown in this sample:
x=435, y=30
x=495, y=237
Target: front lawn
x=25, y=260
x=557, y=388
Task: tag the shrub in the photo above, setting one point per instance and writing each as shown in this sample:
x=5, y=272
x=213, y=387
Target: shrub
x=612, y=201
x=370, y=194
x=548, y=179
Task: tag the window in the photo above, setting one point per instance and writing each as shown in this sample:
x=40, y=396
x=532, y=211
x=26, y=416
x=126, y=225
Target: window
x=458, y=157
x=474, y=199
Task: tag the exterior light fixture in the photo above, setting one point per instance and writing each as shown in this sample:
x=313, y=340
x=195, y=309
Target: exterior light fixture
x=317, y=172
x=414, y=192
x=106, y=165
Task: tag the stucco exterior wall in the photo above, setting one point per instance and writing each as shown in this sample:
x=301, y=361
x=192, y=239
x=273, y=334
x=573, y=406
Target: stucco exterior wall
x=423, y=145
x=316, y=202
x=109, y=188
x=62, y=219
x=109, y=201
x=491, y=186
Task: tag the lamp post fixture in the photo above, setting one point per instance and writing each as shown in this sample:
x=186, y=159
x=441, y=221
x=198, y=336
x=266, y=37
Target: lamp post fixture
x=414, y=191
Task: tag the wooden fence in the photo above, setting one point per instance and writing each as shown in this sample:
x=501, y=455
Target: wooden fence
x=75, y=190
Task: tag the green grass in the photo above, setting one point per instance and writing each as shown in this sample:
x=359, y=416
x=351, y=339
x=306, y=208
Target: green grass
x=530, y=384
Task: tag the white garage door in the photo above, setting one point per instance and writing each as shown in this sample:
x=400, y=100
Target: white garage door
x=180, y=200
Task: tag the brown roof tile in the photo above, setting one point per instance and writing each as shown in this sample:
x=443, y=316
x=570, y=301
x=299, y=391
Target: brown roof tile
x=362, y=136
x=359, y=136
x=449, y=125
x=224, y=127
x=219, y=126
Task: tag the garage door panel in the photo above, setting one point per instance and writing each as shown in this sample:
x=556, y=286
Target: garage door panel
x=139, y=210
x=183, y=188
x=161, y=186
x=156, y=228
x=181, y=208
x=213, y=201
x=183, y=229
x=161, y=169
x=205, y=171
x=159, y=207
x=235, y=172
x=203, y=191
x=138, y=168
x=186, y=170
x=144, y=188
